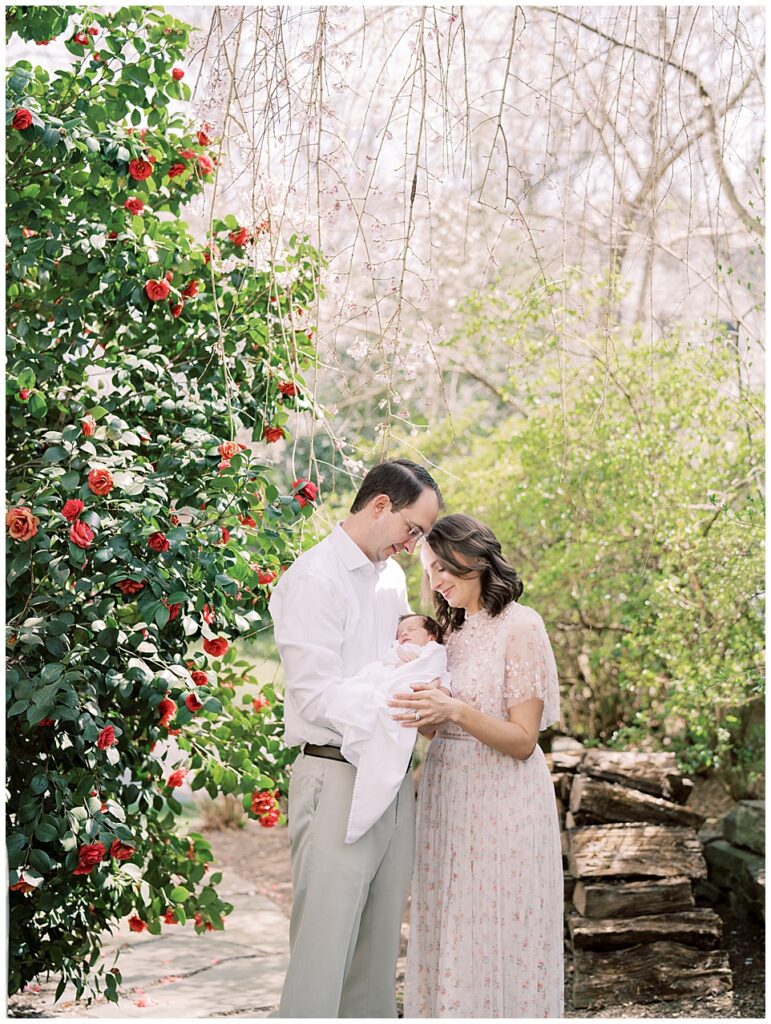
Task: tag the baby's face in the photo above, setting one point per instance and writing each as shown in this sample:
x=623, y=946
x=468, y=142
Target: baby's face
x=412, y=631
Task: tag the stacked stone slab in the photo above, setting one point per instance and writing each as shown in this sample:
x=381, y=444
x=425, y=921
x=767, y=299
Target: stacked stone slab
x=632, y=855
x=736, y=859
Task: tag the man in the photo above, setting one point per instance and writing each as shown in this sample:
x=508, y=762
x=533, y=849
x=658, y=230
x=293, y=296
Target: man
x=335, y=609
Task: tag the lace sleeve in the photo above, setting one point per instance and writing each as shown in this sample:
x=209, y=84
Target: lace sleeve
x=530, y=671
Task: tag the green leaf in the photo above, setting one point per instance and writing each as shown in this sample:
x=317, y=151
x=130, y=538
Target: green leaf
x=46, y=833
x=55, y=454
x=37, y=406
x=179, y=894
x=108, y=637
x=40, y=860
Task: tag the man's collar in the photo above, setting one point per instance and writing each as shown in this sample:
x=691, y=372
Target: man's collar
x=350, y=553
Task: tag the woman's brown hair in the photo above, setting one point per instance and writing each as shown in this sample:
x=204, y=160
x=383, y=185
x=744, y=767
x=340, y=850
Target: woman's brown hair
x=476, y=543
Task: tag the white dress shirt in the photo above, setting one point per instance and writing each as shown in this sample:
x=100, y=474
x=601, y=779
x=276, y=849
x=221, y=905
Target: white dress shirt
x=333, y=612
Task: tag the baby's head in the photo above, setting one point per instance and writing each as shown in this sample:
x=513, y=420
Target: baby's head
x=418, y=629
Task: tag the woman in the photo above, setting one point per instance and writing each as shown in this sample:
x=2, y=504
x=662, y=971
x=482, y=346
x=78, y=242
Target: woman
x=487, y=888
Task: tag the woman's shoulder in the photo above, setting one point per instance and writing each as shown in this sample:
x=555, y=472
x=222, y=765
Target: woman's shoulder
x=516, y=618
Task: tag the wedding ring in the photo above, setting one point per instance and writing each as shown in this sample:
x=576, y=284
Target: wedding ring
x=417, y=716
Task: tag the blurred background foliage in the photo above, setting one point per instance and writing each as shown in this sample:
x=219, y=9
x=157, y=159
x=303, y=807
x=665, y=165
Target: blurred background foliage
x=623, y=477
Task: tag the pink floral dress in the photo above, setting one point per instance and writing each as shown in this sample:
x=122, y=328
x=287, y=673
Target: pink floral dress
x=486, y=919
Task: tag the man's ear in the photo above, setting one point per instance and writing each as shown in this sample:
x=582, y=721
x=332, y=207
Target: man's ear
x=381, y=503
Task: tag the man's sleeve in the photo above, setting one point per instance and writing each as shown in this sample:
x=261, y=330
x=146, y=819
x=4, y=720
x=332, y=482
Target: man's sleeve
x=309, y=622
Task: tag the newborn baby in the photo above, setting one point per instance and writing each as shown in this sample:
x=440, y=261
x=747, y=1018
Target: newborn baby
x=379, y=747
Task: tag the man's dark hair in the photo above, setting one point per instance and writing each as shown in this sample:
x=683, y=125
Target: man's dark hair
x=430, y=625
x=403, y=481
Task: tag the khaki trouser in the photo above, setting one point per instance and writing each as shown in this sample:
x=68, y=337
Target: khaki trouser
x=348, y=900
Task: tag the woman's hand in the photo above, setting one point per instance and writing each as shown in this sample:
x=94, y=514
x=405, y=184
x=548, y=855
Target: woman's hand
x=433, y=705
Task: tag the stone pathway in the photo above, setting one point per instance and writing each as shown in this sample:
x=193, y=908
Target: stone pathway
x=237, y=972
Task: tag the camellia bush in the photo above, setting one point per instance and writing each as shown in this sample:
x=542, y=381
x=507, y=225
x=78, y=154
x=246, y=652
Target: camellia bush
x=148, y=373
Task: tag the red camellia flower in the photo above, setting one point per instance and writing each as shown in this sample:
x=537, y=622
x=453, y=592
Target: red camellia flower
x=176, y=778
x=225, y=534
x=72, y=509
x=24, y=394
x=157, y=290
x=177, y=74
x=247, y=521
x=205, y=163
x=259, y=703
x=21, y=886
x=270, y=819
x=93, y=31
x=88, y=857
x=158, y=542
x=192, y=703
x=129, y=587
x=88, y=426
x=191, y=289
x=288, y=388
x=225, y=464
x=169, y=916
x=263, y=802
x=121, y=851
x=134, y=205
x=136, y=924
x=306, y=491
x=175, y=170
x=167, y=709
x=173, y=609
x=216, y=647
x=208, y=615
x=199, y=678
x=273, y=434
x=230, y=448
x=22, y=119
x=140, y=169
x=266, y=576
x=81, y=534
x=21, y=524
x=203, y=138
x=176, y=308
x=100, y=481
x=80, y=38
x=187, y=154
x=106, y=738
x=240, y=237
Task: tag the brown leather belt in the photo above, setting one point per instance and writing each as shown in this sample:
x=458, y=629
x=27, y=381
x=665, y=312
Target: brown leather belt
x=327, y=750
x=330, y=752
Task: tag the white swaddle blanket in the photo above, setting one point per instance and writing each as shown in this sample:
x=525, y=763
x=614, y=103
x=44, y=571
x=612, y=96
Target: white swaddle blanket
x=378, y=746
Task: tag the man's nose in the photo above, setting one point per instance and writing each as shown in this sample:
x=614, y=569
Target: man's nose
x=410, y=545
